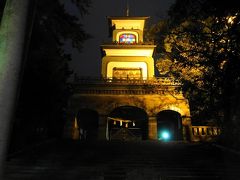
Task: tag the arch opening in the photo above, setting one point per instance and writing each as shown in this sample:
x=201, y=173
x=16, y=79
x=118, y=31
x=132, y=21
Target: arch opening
x=88, y=124
x=128, y=123
x=169, y=126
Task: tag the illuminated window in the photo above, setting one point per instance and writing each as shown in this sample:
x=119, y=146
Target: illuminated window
x=127, y=38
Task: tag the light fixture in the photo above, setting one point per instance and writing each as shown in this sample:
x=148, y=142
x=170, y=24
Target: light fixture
x=133, y=123
x=165, y=135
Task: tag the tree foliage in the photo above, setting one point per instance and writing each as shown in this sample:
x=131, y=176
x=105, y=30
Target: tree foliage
x=203, y=46
x=44, y=90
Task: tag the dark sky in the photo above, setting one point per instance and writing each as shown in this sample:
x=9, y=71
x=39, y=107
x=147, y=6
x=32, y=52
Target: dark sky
x=88, y=62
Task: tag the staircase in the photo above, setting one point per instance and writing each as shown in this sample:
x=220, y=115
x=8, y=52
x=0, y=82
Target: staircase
x=118, y=160
x=126, y=134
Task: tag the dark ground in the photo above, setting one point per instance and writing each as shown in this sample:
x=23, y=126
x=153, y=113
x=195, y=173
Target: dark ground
x=150, y=160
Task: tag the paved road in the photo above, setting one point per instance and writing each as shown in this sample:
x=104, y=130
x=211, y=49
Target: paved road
x=124, y=161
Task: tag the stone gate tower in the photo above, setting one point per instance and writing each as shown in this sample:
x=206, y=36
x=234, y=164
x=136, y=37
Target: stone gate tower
x=127, y=101
x=127, y=56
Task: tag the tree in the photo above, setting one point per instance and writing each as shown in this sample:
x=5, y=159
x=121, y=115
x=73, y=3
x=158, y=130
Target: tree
x=45, y=90
x=203, y=47
x=2, y=5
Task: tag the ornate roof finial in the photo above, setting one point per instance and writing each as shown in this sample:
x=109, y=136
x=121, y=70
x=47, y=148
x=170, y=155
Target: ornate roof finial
x=127, y=11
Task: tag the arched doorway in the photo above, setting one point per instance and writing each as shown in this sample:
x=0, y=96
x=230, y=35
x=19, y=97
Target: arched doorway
x=128, y=123
x=169, y=125
x=88, y=124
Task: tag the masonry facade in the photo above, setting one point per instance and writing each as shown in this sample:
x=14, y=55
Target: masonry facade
x=128, y=102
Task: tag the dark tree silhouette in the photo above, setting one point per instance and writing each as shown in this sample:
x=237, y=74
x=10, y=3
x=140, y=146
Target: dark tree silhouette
x=45, y=88
x=2, y=5
x=202, y=42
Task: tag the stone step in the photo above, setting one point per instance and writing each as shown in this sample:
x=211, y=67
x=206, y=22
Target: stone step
x=118, y=161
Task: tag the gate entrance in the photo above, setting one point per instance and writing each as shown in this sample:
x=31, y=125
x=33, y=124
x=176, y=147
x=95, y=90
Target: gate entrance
x=88, y=124
x=127, y=123
x=169, y=125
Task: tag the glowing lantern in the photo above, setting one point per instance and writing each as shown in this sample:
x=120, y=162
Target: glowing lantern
x=165, y=135
x=134, y=123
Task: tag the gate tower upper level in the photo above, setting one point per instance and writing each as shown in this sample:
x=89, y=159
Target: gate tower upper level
x=127, y=56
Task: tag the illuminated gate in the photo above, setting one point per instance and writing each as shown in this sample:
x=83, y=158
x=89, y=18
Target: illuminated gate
x=128, y=88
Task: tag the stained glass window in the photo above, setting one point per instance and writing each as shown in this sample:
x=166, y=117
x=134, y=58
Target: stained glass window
x=127, y=38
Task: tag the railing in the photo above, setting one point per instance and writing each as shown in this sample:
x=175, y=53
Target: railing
x=128, y=91
x=161, y=85
x=137, y=43
x=204, y=133
x=167, y=81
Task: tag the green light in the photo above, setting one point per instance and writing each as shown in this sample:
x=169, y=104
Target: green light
x=164, y=135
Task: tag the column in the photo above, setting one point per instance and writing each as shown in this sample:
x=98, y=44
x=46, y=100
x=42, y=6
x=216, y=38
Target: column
x=69, y=122
x=187, y=130
x=102, y=128
x=152, y=128
x=12, y=42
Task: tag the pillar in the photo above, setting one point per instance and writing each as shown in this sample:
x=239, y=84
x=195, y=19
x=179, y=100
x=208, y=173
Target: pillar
x=152, y=128
x=68, y=126
x=12, y=42
x=186, y=122
x=102, y=128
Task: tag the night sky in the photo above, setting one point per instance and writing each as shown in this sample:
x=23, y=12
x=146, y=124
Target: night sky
x=88, y=62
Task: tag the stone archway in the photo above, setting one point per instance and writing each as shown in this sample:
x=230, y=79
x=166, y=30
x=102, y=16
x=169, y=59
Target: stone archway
x=128, y=123
x=88, y=124
x=150, y=104
x=169, y=125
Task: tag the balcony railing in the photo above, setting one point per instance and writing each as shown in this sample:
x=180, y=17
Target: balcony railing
x=165, y=81
x=128, y=91
x=162, y=86
x=136, y=43
x=204, y=133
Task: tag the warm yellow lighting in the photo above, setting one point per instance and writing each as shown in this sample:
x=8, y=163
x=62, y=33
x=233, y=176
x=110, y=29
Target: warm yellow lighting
x=230, y=19
x=75, y=123
x=146, y=64
x=141, y=65
x=126, y=121
x=119, y=120
x=148, y=52
x=128, y=24
x=222, y=65
x=178, y=109
x=75, y=130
